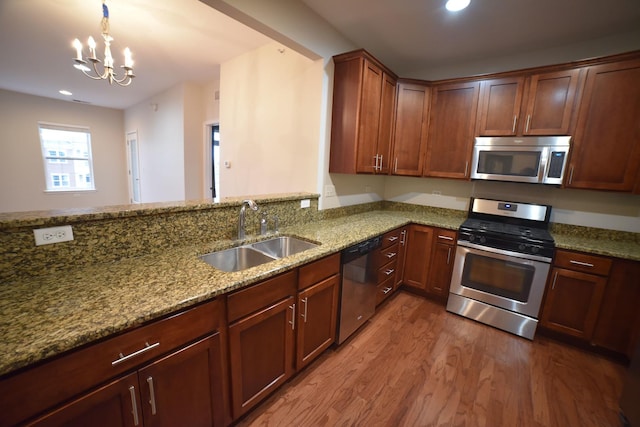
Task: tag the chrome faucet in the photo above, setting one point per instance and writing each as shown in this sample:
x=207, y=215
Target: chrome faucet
x=241, y=220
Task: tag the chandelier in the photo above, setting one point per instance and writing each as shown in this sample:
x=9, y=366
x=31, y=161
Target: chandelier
x=107, y=72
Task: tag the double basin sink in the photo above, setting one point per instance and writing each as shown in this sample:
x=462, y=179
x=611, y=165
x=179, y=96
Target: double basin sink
x=254, y=254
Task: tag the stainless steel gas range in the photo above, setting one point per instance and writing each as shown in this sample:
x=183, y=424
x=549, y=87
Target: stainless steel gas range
x=501, y=266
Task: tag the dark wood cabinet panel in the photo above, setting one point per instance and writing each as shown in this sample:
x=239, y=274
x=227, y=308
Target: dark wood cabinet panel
x=261, y=348
x=418, y=256
x=451, y=129
x=606, y=147
x=318, y=314
x=572, y=302
x=619, y=318
x=109, y=406
x=540, y=104
x=500, y=101
x=364, y=94
x=442, y=259
x=410, y=140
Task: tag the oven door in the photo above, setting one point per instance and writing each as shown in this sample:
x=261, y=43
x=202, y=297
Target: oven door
x=500, y=278
x=514, y=164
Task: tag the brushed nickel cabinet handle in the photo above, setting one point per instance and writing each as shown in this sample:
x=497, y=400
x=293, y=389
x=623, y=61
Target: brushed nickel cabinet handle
x=404, y=236
x=555, y=277
x=123, y=358
x=515, y=120
x=526, y=129
x=395, y=167
x=581, y=264
x=445, y=237
x=390, y=254
x=134, y=405
x=292, y=322
x=152, y=396
x=304, y=314
x=389, y=272
x=375, y=159
x=386, y=290
x=571, y=175
x=466, y=167
x=449, y=255
x=393, y=238
x=381, y=162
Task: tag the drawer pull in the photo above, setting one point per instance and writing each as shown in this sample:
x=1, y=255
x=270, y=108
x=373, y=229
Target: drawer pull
x=581, y=264
x=304, y=315
x=390, y=254
x=152, y=396
x=448, y=255
x=555, y=277
x=445, y=237
x=387, y=290
x=134, y=405
x=393, y=238
x=123, y=358
x=389, y=272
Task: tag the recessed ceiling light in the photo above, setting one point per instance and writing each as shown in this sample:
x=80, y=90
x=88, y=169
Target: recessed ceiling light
x=456, y=5
x=65, y=92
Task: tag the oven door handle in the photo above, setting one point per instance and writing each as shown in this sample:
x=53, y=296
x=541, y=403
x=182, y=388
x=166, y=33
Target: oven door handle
x=503, y=252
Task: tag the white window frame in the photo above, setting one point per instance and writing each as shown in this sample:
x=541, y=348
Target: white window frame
x=53, y=162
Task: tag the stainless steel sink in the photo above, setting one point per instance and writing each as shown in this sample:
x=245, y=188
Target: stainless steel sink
x=236, y=259
x=280, y=247
x=252, y=255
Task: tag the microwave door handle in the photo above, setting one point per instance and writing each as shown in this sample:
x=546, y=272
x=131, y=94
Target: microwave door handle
x=543, y=170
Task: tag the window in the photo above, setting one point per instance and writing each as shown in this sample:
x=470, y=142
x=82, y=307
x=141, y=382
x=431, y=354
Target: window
x=66, y=151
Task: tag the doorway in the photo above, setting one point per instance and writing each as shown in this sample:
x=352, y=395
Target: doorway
x=134, y=167
x=215, y=161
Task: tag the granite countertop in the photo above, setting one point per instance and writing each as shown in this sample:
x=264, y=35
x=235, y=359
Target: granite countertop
x=43, y=317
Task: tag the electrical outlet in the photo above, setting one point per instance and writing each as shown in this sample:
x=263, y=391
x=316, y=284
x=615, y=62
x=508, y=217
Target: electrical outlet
x=329, y=191
x=47, y=236
x=305, y=203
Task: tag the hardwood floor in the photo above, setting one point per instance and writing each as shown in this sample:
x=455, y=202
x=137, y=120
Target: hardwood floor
x=415, y=364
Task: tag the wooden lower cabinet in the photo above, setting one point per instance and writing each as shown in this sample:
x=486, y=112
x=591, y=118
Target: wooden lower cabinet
x=442, y=258
x=318, y=313
x=418, y=256
x=261, y=348
x=183, y=388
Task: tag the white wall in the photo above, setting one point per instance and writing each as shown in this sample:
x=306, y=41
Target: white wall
x=270, y=113
x=22, y=180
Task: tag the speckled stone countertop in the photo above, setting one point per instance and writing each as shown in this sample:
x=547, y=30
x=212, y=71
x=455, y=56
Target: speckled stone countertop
x=51, y=314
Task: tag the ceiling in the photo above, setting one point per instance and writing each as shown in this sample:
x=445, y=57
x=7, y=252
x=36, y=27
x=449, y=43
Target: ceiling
x=186, y=40
x=172, y=41
x=409, y=35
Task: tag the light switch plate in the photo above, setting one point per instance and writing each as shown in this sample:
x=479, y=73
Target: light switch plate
x=47, y=236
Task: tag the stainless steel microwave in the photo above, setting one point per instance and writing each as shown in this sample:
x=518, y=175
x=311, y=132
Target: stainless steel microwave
x=531, y=159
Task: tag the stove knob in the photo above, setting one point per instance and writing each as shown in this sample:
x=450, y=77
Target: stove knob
x=535, y=249
x=472, y=237
x=483, y=239
x=522, y=247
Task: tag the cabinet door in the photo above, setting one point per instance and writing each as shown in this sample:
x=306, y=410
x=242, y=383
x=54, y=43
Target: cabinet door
x=500, y=101
x=410, y=141
x=366, y=161
x=550, y=103
x=318, y=311
x=385, y=128
x=606, y=147
x=619, y=318
x=572, y=303
x=418, y=256
x=185, y=387
x=441, y=263
x=115, y=404
x=261, y=354
x=451, y=129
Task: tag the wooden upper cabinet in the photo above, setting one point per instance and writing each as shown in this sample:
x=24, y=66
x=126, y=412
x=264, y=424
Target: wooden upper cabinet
x=500, y=101
x=362, y=121
x=541, y=104
x=606, y=147
x=412, y=118
x=452, y=124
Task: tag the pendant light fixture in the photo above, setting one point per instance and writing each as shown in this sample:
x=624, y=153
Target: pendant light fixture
x=107, y=72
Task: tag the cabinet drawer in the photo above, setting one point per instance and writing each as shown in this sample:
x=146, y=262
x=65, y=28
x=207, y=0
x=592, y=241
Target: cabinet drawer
x=318, y=270
x=391, y=237
x=445, y=236
x=583, y=262
x=256, y=297
x=386, y=255
x=30, y=392
x=387, y=271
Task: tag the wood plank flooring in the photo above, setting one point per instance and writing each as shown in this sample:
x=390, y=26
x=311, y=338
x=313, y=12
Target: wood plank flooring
x=415, y=364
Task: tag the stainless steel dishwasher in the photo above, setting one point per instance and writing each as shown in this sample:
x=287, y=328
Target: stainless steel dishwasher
x=358, y=290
